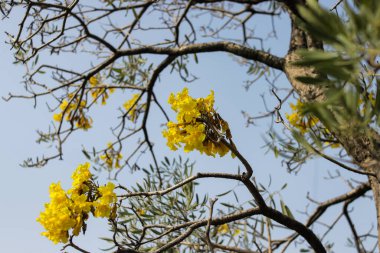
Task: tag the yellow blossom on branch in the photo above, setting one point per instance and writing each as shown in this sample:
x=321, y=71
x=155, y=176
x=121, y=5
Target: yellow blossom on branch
x=236, y=232
x=80, y=177
x=111, y=157
x=141, y=211
x=198, y=125
x=223, y=229
x=298, y=120
x=67, y=211
x=133, y=108
x=102, y=92
x=304, y=123
x=57, y=218
x=74, y=111
x=106, y=202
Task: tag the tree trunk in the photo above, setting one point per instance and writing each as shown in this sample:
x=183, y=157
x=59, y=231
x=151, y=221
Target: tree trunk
x=375, y=186
x=361, y=145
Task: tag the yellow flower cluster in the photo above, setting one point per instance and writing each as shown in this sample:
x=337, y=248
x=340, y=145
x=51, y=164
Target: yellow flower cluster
x=57, y=218
x=198, y=126
x=223, y=229
x=104, y=205
x=68, y=210
x=111, y=157
x=97, y=93
x=133, y=108
x=303, y=124
x=68, y=109
x=298, y=120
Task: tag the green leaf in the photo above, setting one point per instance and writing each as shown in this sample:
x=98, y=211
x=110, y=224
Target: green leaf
x=236, y=197
x=86, y=154
x=146, y=171
x=228, y=205
x=276, y=152
x=285, y=209
x=312, y=80
x=302, y=141
x=224, y=193
x=321, y=23
x=313, y=57
x=167, y=160
x=195, y=58
x=288, y=212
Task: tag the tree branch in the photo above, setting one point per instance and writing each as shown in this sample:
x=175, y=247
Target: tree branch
x=223, y=46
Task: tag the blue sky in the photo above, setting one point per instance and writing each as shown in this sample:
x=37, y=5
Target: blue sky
x=25, y=190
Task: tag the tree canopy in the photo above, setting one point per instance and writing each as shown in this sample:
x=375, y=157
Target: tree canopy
x=118, y=49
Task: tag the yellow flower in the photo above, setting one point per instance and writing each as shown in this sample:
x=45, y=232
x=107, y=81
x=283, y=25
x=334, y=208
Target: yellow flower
x=298, y=120
x=223, y=229
x=105, y=203
x=68, y=109
x=132, y=108
x=84, y=123
x=111, y=157
x=93, y=81
x=67, y=212
x=304, y=123
x=236, y=232
x=57, y=117
x=57, y=217
x=141, y=211
x=80, y=203
x=63, y=105
x=78, y=226
x=96, y=93
x=190, y=129
x=81, y=175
